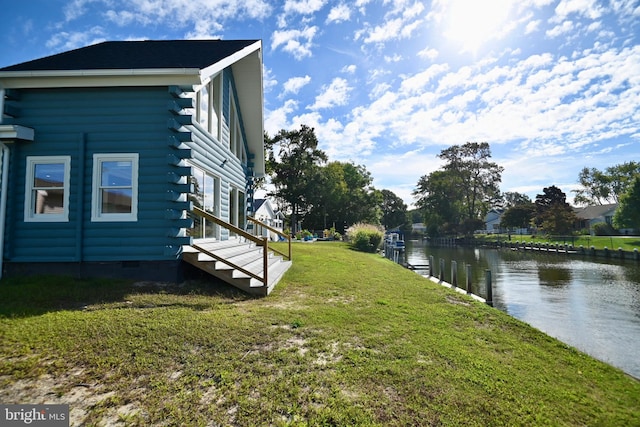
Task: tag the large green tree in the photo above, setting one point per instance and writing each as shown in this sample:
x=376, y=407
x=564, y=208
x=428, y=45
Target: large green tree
x=394, y=211
x=603, y=187
x=293, y=159
x=628, y=213
x=438, y=201
x=457, y=197
x=518, y=216
x=341, y=196
x=553, y=214
x=519, y=210
x=513, y=198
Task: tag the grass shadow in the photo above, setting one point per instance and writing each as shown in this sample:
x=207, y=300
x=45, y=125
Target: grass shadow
x=35, y=295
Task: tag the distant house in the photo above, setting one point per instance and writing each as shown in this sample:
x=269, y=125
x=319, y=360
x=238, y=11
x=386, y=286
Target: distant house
x=109, y=149
x=418, y=228
x=591, y=215
x=264, y=212
x=492, y=220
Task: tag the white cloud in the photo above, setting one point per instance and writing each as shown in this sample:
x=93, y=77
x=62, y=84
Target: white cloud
x=392, y=58
x=393, y=29
x=335, y=94
x=532, y=26
x=379, y=90
x=77, y=8
x=419, y=81
x=401, y=27
x=402, y=180
x=339, y=13
x=349, y=69
x=588, y=8
x=303, y=7
x=120, y=17
x=277, y=119
x=296, y=42
x=294, y=84
x=558, y=30
x=205, y=29
x=73, y=40
x=560, y=106
x=268, y=79
x=428, y=53
x=183, y=12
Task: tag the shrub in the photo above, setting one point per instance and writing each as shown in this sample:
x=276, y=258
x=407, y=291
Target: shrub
x=604, y=229
x=365, y=237
x=304, y=235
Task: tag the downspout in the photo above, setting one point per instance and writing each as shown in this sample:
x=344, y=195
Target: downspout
x=3, y=200
x=5, y=178
x=82, y=140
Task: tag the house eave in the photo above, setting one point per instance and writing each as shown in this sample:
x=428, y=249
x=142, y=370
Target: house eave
x=96, y=78
x=247, y=70
x=11, y=133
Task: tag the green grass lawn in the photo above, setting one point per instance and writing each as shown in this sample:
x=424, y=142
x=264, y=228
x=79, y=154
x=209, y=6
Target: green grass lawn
x=346, y=338
x=627, y=243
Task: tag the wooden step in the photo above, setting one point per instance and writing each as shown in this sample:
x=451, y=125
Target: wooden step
x=241, y=254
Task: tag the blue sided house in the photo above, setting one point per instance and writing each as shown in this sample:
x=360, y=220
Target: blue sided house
x=136, y=159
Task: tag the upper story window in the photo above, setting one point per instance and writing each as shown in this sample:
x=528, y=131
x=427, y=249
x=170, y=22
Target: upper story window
x=115, y=187
x=47, y=188
x=236, y=142
x=208, y=102
x=204, y=101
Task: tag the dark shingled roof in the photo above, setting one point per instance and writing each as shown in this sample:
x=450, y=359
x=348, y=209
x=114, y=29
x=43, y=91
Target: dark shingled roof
x=114, y=55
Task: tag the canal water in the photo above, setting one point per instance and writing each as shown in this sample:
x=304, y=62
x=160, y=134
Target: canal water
x=589, y=304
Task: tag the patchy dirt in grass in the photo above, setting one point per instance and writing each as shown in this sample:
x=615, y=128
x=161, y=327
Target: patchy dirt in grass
x=67, y=390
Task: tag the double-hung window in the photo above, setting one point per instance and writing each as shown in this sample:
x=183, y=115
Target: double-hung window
x=47, y=189
x=115, y=187
x=208, y=106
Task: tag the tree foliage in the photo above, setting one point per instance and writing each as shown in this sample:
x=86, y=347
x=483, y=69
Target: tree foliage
x=518, y=216
x=293, y=159
x=394, y=210
x=628, y=213
x=437, y=199
x=513, y=198
x=457, y=197
x=599, y=188
x=553, y=214
x=321, y=196
x=519, y=210
x=343, y=195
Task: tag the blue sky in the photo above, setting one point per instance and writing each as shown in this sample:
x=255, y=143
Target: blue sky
x=552, y=86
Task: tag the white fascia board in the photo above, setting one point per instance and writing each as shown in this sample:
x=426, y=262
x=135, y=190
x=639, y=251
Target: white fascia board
x=10, y=133
x=268, y=208
x=93, y=78
x=213, y=69
x=247, y=73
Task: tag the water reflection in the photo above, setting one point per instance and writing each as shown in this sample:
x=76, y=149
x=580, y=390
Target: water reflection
x=590, y=304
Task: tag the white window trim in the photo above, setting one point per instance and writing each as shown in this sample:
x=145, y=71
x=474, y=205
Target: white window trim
x=96, y=206
x=214, y=86
x=29, y=203
x=217, y=85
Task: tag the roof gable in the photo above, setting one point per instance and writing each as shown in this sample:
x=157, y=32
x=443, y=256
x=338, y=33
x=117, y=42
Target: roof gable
x=257, y=203
x=126, y=55
x=596, y=211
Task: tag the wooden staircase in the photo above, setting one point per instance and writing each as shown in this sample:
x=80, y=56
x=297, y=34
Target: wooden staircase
x=244, y=261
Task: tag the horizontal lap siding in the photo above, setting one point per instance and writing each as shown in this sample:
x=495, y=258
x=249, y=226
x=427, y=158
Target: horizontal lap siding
x=210, y=153
x=114, y=120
